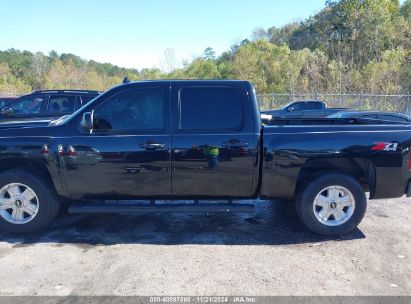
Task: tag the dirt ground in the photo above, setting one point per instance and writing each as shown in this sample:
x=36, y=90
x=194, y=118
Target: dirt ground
x=269, y=253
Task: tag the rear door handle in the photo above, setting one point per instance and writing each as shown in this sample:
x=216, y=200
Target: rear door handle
x=234, y=143
x=152, y=145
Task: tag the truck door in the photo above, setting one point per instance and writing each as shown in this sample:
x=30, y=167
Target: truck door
x=295, y=110
x=127, y=154
x=214, y=149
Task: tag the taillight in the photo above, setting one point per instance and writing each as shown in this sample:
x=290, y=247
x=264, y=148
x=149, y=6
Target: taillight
x=44, y=150
x=60, y=150
x=70, y=151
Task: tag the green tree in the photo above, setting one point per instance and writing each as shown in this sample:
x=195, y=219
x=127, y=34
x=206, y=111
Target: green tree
x=385, y=76
x=10, y=84
x=209, y=54
x=38, y=70
x=282, y=36
x=349, y=46
x=265, y=64
x=203, y=69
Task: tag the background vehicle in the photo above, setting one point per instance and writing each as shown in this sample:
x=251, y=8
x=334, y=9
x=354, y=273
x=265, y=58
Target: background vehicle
x=303, y=108
x=375, y=115
x=197, y=140
x=46, y=104
x=5, y=101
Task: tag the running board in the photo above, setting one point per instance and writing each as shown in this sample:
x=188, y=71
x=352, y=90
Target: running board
x=85, y=208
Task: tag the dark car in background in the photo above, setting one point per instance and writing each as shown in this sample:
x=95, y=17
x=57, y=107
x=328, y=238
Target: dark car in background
x=303, y=109
x=45, y=105
x=6, y=101
x=382, y=117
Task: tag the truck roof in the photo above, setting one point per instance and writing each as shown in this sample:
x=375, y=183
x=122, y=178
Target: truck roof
x=182, y=81
x=66, y=91
x=188, y=80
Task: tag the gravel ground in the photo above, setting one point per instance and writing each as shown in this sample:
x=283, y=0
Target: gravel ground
x=269, y=253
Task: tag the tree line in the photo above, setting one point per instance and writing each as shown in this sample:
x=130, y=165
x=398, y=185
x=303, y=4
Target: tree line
x=350, y=46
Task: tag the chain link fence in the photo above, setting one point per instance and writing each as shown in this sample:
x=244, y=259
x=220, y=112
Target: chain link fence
x=392, y=103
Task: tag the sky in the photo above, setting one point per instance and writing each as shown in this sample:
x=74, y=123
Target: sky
x=135, y=34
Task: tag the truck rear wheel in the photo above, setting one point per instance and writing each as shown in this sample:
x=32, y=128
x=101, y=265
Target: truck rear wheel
x=27, y=202
x=332, y=204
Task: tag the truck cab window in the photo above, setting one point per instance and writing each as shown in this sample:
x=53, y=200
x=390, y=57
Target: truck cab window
x=313, y=106
x=140, y=109
x=29, y=105
x=210, y=108
x=61, y=104
x=297, y=106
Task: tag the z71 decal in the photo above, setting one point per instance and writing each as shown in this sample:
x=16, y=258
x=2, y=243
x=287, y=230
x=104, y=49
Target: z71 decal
x=383, y=146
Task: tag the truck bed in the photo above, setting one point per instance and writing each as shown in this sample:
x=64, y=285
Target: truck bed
x=376, y=152
x=327, y=121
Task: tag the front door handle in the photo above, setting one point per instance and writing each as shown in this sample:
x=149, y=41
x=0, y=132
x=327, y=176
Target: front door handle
x=152, y=145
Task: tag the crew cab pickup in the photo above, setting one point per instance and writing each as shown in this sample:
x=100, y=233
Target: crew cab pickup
x=196, y=140
x=303, y=109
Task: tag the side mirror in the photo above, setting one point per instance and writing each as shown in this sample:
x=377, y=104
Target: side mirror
x=290, y=109
x=87, y=121
x=6, y=111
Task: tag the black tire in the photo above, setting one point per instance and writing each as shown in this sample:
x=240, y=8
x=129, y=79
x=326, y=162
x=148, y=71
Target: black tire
x=48, y=203
x=309, y=191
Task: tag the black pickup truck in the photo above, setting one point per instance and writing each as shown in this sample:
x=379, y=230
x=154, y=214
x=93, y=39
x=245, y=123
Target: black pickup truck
x=196, y=140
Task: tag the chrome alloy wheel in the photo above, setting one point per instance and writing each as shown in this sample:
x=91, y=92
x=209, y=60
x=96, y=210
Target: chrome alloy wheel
x=334, y=206
x=18, y=203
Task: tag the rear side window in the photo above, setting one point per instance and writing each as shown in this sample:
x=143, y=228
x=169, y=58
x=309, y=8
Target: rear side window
x=59, y=104
x=210, y=109
x=314, y=106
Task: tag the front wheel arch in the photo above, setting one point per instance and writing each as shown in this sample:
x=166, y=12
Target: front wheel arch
x=47, y=200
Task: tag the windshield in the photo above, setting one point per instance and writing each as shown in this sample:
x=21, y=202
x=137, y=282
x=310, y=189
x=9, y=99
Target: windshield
x=286, y=106
x=4, y=102
x=28, y=105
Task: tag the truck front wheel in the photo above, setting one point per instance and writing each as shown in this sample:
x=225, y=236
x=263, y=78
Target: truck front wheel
x=332, y=204
x=27, y=202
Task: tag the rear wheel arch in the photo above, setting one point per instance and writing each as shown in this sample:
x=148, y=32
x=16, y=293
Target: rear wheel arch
x=362, y=170
x=331, y=213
